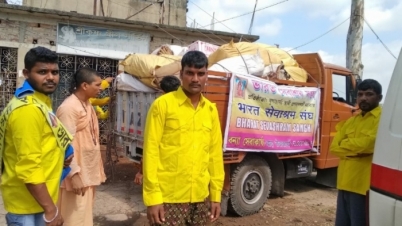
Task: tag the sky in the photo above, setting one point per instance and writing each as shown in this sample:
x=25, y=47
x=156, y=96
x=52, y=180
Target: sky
x=292, y=23
x=295, y=22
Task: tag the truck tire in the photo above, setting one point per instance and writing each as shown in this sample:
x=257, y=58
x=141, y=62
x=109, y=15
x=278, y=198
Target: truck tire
x=250, y=185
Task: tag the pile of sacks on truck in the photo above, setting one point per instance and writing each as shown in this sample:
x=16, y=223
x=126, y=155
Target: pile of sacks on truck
x=256, y=59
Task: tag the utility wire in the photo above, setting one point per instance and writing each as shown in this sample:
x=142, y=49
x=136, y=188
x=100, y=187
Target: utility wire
x=129, y=6
x=379, y=39
x=197, y=29
x=245, y=14
x=213, y=17
x=172, y=5
x=223, y=41
x=320, y=36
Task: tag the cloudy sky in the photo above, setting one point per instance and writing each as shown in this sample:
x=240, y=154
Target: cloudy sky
x=292, y=23
x=296, y=22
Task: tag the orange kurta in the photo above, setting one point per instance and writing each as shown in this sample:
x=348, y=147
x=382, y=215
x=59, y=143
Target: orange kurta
x=80, y=120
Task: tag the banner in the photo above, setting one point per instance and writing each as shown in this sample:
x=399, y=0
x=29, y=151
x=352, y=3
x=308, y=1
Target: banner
x=100, y=42
x=266, y=117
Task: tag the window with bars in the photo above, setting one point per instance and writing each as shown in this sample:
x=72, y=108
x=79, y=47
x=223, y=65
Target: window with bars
x=8, y=74
x=68, y=64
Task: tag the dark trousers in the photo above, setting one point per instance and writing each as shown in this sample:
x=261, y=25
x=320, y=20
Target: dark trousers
x=350, y=209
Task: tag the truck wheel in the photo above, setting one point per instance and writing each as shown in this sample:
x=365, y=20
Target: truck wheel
x=250, y=185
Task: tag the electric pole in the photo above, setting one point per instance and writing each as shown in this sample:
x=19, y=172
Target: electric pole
x=355, y=38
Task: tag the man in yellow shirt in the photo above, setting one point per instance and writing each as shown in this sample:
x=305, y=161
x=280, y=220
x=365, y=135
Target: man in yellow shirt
x=168, y=84
x=99, y=102
x=32, y=157
x=354, y=145
x=183, y=159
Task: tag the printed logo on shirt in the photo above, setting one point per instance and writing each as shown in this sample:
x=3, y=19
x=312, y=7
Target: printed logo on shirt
x=53, y=120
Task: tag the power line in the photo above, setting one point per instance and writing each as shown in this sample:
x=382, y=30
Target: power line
x=379, y=39
x=139, y=11
x=223, y=41
x=173, y=36
x=181, y=41
x=320, y=36
x=170, y=5
x=213, y=17
x=129, y=6
x=197, y=30
x=245, y=14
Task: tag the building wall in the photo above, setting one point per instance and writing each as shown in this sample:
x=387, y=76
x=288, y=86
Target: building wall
x=22, y=30
x=174, y=10
x=20, y=34
x=26, y=31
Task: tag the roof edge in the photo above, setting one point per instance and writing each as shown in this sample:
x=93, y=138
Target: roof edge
x=21, y=9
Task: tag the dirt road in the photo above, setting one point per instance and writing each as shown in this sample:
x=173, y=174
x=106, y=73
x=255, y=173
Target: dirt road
x=119, y=203
x=305, y=204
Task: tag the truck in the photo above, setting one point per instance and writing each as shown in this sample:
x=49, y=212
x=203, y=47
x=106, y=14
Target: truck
x=250, y=177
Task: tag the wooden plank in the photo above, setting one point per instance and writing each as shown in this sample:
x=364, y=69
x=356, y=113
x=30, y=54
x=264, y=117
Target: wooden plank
x=221, y=74
x=218, y=82
x=312, y=70
x=217, y=97
x=222, y=107
x=217, y=89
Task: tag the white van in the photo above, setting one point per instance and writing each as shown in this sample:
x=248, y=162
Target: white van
x=385, y=196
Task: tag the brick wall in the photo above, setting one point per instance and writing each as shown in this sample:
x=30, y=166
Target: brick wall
x=20, y=31
x=9, y=30
x=43, y=33
x=23, y=32
x=175, y=10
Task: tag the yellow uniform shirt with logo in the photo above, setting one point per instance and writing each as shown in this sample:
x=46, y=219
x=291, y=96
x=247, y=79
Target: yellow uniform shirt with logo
x=183, y=158
x=31, y=156
x=354, y=145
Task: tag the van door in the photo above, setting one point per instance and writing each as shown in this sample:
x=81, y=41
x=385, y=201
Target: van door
x=385, y=197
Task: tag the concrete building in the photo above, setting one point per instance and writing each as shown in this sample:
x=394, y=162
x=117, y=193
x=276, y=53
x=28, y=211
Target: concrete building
x=169, y=12
x=83, y=40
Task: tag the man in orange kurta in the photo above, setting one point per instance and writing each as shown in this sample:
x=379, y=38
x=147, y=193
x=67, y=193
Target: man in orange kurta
x=79, y=117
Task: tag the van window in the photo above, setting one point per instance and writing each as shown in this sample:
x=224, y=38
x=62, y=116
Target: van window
x=342, y=88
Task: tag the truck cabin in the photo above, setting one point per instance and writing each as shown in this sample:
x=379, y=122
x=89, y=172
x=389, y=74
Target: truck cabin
x=343, y=84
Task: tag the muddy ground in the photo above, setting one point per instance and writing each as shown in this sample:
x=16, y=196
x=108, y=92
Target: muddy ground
x=119, y=203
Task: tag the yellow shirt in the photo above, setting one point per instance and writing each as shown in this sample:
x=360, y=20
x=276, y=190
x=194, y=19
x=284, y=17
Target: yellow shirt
x=354, y=145
x=183, y=158
x=101, y=101
x=31, y=156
